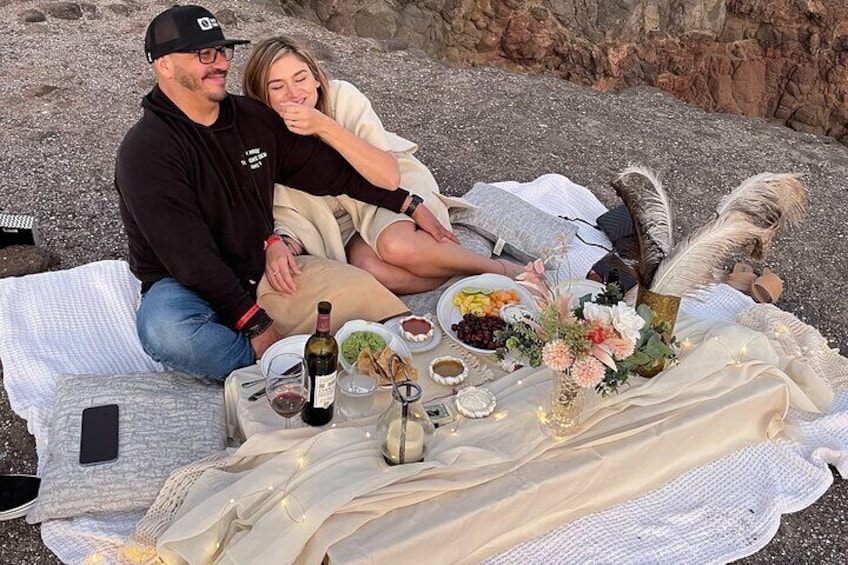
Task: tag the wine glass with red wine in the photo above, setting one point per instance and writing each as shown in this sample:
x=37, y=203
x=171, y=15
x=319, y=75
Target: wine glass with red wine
x=287, y=385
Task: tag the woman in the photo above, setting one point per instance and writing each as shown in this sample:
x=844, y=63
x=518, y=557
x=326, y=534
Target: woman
x=287, y=78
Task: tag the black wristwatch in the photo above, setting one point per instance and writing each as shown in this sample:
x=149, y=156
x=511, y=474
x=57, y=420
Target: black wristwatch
x=416, y=200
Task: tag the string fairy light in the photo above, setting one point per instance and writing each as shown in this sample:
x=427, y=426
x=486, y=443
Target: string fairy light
x=129, y=554
x=737, y=355
x=137, y=554
x=289, y=503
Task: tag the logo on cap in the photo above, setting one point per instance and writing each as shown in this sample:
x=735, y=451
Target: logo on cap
x=207, y=23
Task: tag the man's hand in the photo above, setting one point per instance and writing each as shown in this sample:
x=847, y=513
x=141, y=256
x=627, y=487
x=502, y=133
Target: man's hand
x=265, y=340
x=280, y=267
x=425, y=219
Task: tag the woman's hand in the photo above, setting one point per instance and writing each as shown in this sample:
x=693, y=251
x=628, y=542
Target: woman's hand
x=302, y=120
x=425, y=220
x=280, y=267
x=378, y=167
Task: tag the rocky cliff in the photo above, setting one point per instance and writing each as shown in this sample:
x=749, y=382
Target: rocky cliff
x=777, y=59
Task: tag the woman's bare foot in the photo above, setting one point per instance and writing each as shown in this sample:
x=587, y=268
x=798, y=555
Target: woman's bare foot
x=510, y=269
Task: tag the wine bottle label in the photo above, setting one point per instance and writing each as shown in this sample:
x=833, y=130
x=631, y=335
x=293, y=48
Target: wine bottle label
x=325, y=390
x=323, y=324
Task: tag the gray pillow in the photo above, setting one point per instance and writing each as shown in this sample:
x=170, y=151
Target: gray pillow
x=471, y=239
x=165, y=421
x=523, y=229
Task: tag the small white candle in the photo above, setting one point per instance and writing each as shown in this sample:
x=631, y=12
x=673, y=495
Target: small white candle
x=414, y=441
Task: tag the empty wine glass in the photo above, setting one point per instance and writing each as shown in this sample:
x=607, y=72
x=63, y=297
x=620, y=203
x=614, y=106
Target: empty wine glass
x=287, y=385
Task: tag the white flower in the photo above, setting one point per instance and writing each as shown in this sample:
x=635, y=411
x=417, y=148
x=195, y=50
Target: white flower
x=626, y=321
x=597, y=313
x=511, y=361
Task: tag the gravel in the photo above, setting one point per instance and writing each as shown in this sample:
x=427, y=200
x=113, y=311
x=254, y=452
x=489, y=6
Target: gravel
x=72, y=79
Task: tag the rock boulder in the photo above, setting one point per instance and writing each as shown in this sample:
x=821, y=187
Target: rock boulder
x=778, y=59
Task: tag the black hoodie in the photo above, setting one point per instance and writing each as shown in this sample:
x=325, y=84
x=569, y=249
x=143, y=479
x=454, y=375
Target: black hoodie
x=197, y=201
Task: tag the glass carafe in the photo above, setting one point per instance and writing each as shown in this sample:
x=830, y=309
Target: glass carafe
x=405, y=431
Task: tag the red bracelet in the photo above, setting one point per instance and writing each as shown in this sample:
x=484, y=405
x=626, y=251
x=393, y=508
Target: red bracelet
x=247, y=316
x=271, y=239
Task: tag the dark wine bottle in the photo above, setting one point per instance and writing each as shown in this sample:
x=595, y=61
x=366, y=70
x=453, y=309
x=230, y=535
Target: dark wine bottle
x=322, y=356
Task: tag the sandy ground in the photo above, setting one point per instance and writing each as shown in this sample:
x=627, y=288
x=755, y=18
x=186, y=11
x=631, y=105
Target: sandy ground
x=69, y=89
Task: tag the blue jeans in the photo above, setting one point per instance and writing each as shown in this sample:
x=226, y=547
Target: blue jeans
x=180, y=330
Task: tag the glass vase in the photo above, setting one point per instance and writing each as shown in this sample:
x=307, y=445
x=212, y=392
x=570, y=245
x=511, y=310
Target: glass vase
x=564, y=406
x=665, y=307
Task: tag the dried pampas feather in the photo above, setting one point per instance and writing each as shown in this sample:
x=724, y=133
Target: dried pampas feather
x=696, y=262
x=652, y=223
x=657, y=213
x=770, y=201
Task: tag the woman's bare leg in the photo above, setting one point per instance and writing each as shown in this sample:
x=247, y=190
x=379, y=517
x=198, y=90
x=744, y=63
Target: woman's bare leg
x=403, y=245
x=396, y=279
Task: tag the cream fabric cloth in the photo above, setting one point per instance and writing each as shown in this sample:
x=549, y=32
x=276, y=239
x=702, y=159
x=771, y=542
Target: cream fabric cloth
x=496, y=481
x=310, y=219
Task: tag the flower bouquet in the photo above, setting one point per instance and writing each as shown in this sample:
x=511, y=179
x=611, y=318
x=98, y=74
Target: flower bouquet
x=588, y=342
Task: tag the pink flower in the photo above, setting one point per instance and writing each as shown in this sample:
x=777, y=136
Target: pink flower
x=536, y=286
x=557, y=355
x=534, y=271
x=528, y=277
x=602, y=354
x=587, y=372
x=565, y=314
x=619, y=348
x=538, y=265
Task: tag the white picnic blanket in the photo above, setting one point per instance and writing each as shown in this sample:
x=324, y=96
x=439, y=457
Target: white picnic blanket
x=82, y=321
x=79, y=321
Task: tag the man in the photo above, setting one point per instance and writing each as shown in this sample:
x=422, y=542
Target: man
x=195, y=177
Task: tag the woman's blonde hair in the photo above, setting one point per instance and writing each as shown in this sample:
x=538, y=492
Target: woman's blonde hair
x=265, y=54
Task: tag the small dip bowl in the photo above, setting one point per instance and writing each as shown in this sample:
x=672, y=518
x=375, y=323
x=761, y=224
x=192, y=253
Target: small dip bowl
x=513, y=313
x=473, y=402
x=416, y=329
x=448, y=370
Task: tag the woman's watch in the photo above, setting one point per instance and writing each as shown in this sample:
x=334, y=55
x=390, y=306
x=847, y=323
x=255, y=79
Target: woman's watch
x=415, y=201
x=295, y=247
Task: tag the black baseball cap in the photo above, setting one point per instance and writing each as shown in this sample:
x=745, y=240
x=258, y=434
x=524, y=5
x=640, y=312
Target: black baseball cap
x=184, y=28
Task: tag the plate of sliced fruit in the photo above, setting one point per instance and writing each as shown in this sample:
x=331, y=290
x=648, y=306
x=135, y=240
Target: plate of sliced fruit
x=469, y=310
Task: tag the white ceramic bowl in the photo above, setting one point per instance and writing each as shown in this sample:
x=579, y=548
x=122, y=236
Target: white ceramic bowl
x=449, y=381
x=416, y=338
x=392, y=339
x=512, y=313
x=432, y=343
x=473, y=402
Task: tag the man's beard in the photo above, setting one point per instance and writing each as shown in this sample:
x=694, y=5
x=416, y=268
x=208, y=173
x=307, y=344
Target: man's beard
x=195, y=84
